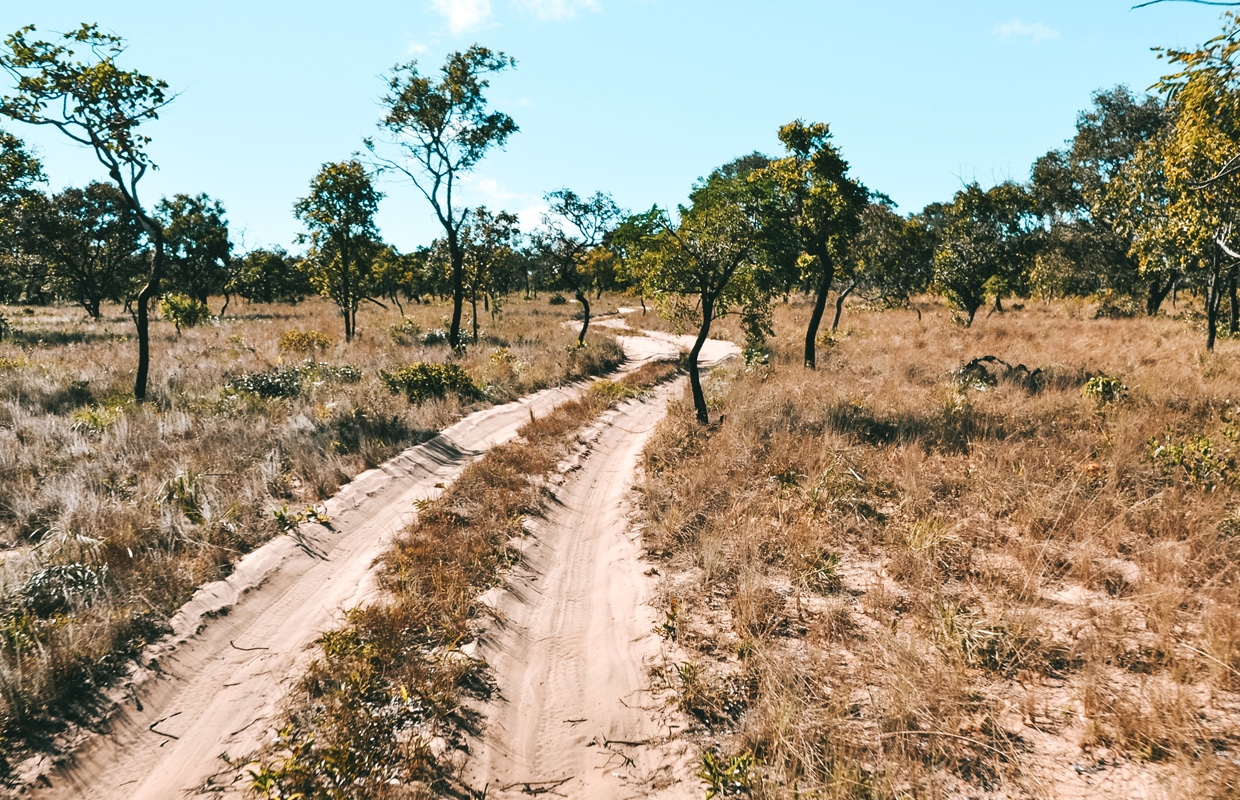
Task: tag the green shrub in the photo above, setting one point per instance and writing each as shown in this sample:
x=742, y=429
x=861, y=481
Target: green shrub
x=183, y=311
x=289, y=381
x=1104, y=389
x=299, y=341
x=557, y=299
x=406, y=332
x=424, y=381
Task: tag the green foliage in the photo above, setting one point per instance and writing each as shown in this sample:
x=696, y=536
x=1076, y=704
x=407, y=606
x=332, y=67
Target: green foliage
x=54, y=589
x=1202, y=461
x=424, y=381
x=183, y=311
x=295, y=340
x=270, y=276
x=197, y=246
x=287, y=522
x=339, y=215
x=1113, y=305
x=1104, y=390
x=727, y=776
x=557, y=299
x=291, y=381
x=405, y=332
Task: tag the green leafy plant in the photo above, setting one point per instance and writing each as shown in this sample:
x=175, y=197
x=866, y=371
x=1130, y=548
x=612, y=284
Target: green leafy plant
x=299, y=341
x=727, y=776
x=422, y=381
x=183, y=311
x=1104, y=390
x=405, y=332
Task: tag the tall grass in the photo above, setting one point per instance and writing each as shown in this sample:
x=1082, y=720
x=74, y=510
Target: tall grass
x=890, y=579
x=112, y=513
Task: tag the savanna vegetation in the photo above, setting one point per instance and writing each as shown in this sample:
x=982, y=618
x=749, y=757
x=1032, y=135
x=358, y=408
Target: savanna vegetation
x=978, y=528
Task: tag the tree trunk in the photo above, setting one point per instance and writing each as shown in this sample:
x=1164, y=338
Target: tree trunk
x=1214, y=297
x=473, y=311
x=585, y=317
x=695, y=377
x=815, y=319
x=1233, y=313
x=839, y=305
x=142, y=316
x=1157, y=293
x=643, y=299
x=457, y=258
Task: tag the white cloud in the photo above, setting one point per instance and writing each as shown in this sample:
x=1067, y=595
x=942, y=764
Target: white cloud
x=557, y=9
x=416, y=48
x=463, y=14
x=1037, y=32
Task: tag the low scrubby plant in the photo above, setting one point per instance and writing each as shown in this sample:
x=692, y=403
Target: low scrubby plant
x=295, y=340
x=290, y=381
x=183, y=311
x=422, y=381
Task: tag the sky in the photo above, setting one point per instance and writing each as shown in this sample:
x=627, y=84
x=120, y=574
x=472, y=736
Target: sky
x=638, y=98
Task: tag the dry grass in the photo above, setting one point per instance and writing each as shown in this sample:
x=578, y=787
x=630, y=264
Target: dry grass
x=111, y=514
x=381, y=705
x=888, y=581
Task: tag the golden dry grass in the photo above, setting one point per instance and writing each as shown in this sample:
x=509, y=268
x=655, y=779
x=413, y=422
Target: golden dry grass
x=111, y=513
x=888, y=581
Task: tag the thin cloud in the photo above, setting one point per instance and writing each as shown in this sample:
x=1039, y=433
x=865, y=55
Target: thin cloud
x=557, y=9
x=1036, y=32
x=416, y=49
x=462, y=15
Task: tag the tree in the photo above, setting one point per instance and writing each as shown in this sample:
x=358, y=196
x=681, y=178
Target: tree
x=490, y=240
x=573, y=227
x=20, y=205
x=1084, y=249
x=101, y=106
x=339, y=215
x=199, y=252
x=270, y=276
x=442, y=129
x=824, y=207
x=893, y=257
x=706, y=266
x=982, y=250
x=94, y=245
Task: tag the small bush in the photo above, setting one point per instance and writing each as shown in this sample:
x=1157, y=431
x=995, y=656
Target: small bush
x=557, y=299
x=299, y=341
x=424, y=381
x=54, y=589
x=1104, y=389
x=183, y=311
x=406, y=332
x=1112, y=305
x=289, y=381
x=435, y=336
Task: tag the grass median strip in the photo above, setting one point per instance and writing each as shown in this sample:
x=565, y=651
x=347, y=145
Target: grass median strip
x=380, y=706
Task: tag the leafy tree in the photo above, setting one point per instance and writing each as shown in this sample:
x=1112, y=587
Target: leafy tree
x=94, y=245
x=706, y=267
x=101, y=106
x=629, y=243
x=339, y=215
x=893, y=258
x=441, y=130
x=199, y=252
x=573, y=227
x=19, y=170
x=490, y=240
x=270, y=276
x=1084, y=249
x=824, y=209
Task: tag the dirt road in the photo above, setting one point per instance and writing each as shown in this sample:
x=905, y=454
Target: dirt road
x=205, y=697
x=569, y=657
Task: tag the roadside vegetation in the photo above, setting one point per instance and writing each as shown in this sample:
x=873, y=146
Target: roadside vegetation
x=379, y=712
x=918, y=572
x=113, y=511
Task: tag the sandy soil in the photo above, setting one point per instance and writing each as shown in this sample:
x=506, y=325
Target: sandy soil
x=571, y=638
x=203, y=698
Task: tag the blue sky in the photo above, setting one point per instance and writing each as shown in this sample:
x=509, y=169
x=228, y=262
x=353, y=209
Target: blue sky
x=635, y=97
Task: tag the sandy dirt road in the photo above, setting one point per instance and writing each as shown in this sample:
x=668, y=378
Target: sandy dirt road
x=205, y=697
x=571, y=638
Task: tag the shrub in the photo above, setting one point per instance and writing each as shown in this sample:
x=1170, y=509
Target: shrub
x=424, y=381
x=1104, y=389
x=557, y=299
x=435, y=336
x=289, y=381
x=406, y=332
x=299, y=341
x=183, y=311
x=1112, y=305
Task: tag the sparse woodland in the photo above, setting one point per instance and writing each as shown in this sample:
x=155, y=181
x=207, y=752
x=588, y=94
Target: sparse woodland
x=962, y=522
